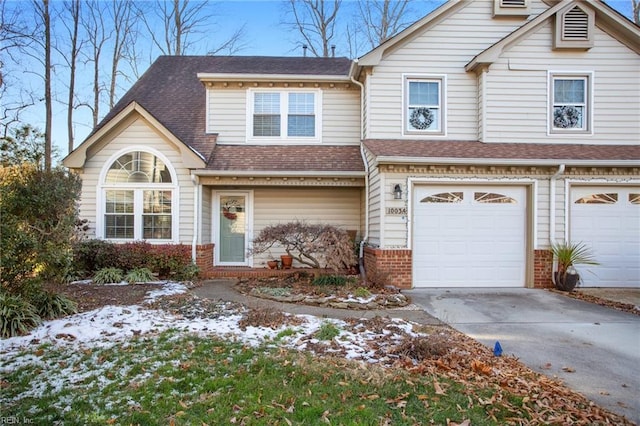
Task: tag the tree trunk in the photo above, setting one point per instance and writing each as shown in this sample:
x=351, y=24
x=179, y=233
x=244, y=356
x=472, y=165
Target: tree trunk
x=46, y=18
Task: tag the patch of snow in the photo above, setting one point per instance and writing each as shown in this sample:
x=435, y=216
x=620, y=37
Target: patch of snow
x=110, y=325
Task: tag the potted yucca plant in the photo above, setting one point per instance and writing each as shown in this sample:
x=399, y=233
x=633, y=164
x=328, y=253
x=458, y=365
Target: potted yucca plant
x=567, y=255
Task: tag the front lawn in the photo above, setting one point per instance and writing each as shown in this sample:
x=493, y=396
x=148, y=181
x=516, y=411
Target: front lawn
x=186, y=361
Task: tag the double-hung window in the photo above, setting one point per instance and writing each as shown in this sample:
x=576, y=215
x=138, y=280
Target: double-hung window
x=284, y=115
x=570, y=101
x=424, y=105
x=138, y=195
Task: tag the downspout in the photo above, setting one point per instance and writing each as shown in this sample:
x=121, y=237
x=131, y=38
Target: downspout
x=196, y=209
x=365, y=238
x=552, y=211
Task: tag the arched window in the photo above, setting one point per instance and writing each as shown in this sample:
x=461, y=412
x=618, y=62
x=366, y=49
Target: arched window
x=138, y=194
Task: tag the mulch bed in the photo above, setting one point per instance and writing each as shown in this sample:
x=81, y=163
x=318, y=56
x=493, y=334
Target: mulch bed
x=93, y=296
x=624, y=307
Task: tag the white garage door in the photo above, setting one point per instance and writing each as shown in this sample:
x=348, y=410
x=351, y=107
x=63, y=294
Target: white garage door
x=607, y=219
x=469, y=236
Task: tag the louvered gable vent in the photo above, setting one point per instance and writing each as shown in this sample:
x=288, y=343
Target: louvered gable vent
x=511, y=7
x=513, y=3
x=574, y=28
x=575, y=25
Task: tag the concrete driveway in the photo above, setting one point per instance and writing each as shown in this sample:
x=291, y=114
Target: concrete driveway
x=551, y=333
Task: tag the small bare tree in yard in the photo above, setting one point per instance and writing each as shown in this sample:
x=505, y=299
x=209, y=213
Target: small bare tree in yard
x=309, y=244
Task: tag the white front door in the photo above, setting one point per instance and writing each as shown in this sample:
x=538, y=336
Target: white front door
x=469, y=236
x=231, y=219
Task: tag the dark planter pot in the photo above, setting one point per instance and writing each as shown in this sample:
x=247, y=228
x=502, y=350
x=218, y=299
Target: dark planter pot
x=287, y=261
x=566, y=282
x=273, y=264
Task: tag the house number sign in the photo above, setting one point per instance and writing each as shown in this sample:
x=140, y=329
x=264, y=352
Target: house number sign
x=397, y=211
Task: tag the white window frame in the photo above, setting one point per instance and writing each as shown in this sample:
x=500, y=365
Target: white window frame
x=587, y=128
x=284, y=112
x=138, y=199
x=442, y=81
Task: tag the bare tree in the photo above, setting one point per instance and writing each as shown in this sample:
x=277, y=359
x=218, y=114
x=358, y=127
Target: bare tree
x=15, y=36
x=183, y=25
x=315, y=20
x=635, y=11
x=72, y=26
x=97, y=36
x=382, y=19
x=43, y=39
x=124, y=19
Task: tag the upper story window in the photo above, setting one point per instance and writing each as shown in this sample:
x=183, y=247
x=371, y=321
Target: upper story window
x=570, y=110
x=424, y=105
x=138, y=196
x=284, y=115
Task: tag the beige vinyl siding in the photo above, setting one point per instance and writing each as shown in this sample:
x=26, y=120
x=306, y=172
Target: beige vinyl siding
x=206, y=229
x=341, y=117
x=227, y=115
x=375, y=214
x=138, y=133
x=395, y=226
x=442, y=50
x=336, y=206
x=518, y=92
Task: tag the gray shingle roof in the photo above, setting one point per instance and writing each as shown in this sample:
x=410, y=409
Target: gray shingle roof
x=501, y=151
x=171, y=92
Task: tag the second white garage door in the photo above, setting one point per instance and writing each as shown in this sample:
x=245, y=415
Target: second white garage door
x=607, y=220
x=469, y=236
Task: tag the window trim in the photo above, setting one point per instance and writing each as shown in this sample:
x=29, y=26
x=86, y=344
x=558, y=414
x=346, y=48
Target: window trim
x=284, y=112
x=588, y=128
x=138, y=190
x=442, y=80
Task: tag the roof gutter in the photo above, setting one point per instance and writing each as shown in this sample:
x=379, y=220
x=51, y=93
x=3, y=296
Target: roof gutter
x=205, y=76
x=278, y=173
x=384, y=159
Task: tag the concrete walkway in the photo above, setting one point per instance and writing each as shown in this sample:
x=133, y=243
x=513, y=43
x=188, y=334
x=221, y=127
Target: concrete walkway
x=223, y=289
x=595, y=350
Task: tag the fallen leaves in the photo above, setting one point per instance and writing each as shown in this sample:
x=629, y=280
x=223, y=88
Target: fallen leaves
x=480, y=367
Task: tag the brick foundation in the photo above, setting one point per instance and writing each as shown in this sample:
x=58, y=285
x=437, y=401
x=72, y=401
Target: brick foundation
x=395, y=262
x=204, y=259
x=542, y=267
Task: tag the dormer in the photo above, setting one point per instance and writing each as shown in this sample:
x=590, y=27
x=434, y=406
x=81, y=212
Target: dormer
x=574, y=28
x=511, y=8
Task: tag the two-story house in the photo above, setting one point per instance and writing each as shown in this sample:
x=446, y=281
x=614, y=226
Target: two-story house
x=458, y=150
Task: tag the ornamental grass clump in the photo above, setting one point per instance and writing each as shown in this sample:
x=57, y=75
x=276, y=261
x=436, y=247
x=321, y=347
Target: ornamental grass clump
x=17, y=315
x=139, y=275
x=108, y=276
x=51, y=305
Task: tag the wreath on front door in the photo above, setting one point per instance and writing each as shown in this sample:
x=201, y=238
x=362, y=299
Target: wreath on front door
x=421, y=118
x=229, y=214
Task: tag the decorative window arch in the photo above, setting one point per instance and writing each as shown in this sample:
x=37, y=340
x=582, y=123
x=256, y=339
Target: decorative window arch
x=138, y=195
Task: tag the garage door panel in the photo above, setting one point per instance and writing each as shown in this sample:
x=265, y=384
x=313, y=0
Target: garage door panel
x=469, y=243
x=612, y=230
